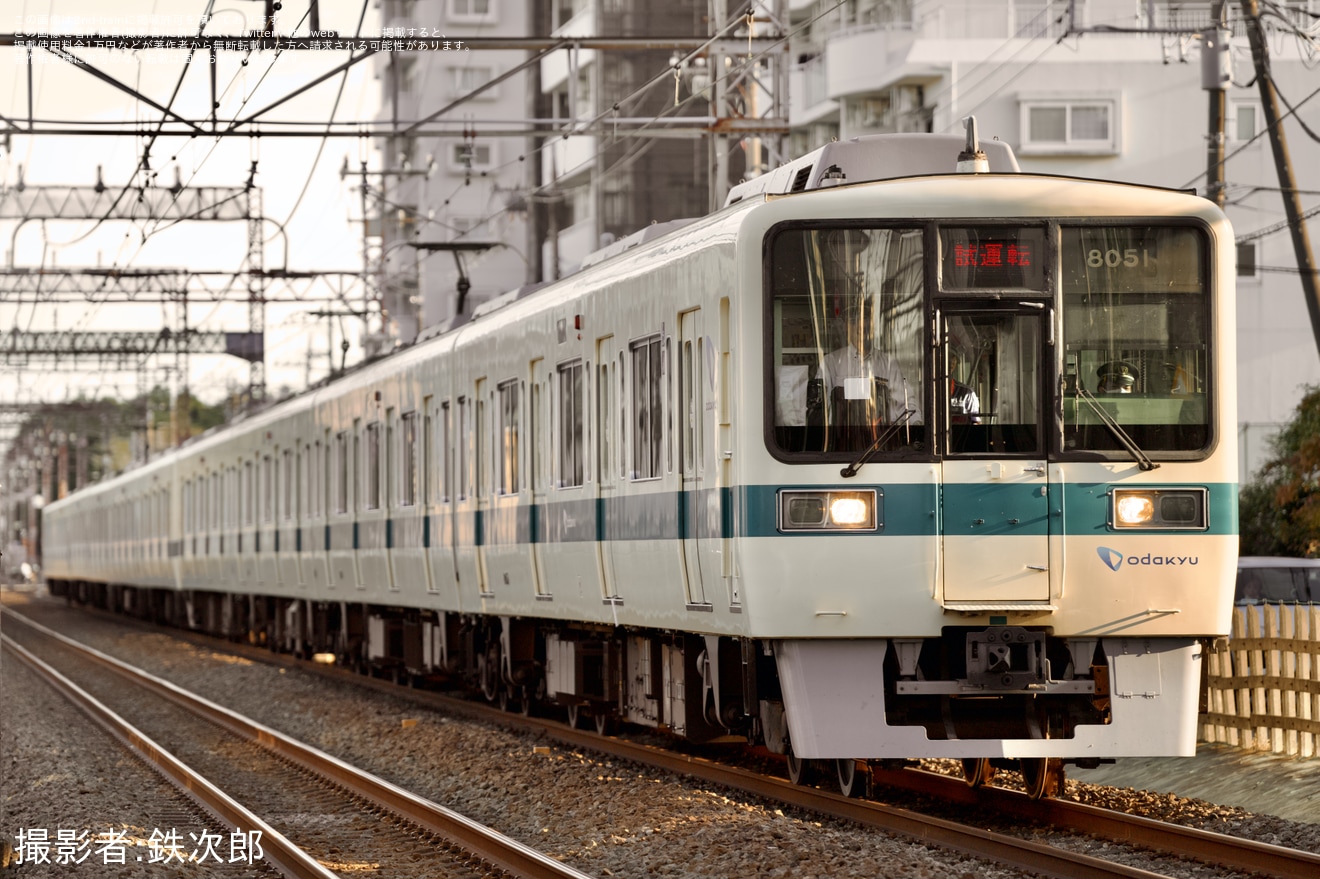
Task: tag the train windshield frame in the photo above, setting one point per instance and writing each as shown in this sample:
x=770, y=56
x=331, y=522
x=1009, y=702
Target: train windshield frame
x=852, y=366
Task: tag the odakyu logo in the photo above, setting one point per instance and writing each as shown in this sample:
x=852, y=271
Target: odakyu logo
x=1115, y=559
x=1111, y=557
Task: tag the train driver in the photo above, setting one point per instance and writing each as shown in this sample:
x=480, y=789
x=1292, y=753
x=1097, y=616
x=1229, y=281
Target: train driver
x=964, y=405
x=1117, y=377
x=851, y=372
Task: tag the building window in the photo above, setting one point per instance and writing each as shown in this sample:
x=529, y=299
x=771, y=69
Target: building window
x=572, y=438
x=1246, y=120
x=1069, y=126
x=471, y=11
x=405, y=74
x=463, y=80
x=467, y=156
x=1246, y=260
x=647, y=409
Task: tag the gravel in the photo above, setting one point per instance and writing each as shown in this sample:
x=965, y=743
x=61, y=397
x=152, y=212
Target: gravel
x=605, y=817
x=63, y=777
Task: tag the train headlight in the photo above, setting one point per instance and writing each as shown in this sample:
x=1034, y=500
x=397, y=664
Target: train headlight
x=826, y=510
x=851, y=511
x=1157, y=509
x=1131, y=509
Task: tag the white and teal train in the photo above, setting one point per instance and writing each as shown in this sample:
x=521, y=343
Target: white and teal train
x=880, y=461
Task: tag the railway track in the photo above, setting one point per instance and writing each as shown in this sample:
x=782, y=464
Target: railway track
x=1216, y=849
x=323, y=815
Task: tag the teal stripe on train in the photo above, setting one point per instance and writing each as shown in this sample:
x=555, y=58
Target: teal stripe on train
x=905, y=510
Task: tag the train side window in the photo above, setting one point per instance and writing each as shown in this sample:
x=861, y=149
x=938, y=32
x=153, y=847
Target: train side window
x=428, y=474
x=479, y=457
x=572, y=453
x=267, y=489
x=446, y=452
x=327, y=483
x=667, y=366
x=686, y=445
x=461, y=441
x=408, y=456
x=286, y=480
x=622, y=444
x=371, y=468
x=390, y=485
x=305, y=470
x=248, y=489
x=604, y=435
x=507, y=438
x=311, y=455
x=341, y=468
x=647, y=410
x=535, y=435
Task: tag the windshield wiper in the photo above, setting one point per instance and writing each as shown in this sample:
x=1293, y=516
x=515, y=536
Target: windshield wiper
x=1143, y=460
x=851, y=470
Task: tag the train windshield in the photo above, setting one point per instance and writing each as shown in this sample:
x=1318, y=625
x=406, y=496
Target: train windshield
x=849, y=340
x=848, y=327
x=1136, y=320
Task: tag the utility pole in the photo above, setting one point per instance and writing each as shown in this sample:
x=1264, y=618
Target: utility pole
x=1216, y=77
x=1292, y=207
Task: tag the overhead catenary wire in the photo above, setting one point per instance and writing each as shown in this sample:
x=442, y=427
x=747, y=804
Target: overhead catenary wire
x=657, y=79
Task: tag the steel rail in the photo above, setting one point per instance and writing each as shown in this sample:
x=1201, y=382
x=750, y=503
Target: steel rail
x=503, y=852
x=277, y=850
x=1200, y=845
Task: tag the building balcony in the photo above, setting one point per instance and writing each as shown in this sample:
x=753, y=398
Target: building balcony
x=565, y=157
x=556, y=67
x=809, y=99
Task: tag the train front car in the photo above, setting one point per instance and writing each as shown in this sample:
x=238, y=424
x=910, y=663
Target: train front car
x=992, y=513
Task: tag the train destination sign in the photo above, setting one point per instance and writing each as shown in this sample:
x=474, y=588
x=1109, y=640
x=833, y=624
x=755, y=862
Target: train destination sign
x=992, y=258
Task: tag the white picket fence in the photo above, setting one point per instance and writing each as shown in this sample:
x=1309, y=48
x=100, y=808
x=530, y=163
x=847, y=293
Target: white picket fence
x=1263, y=685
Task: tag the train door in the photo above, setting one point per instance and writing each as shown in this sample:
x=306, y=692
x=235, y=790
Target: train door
x=609, y=448
x=691, y=448
x=994, y=512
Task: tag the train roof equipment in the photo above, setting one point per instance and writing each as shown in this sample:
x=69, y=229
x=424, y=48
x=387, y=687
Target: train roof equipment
x=873, y=157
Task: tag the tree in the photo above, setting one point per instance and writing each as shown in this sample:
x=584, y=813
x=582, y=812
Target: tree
x=1280, y=510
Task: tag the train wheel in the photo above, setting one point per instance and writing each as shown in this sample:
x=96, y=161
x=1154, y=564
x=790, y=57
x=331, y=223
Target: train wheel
x=797, y=768
x=978, y=771
x=852, y=780
x=603, y=724
x=574, y=715
x=529, y=696
x=488, y=668
x=506, y=698
x=1042, y=776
